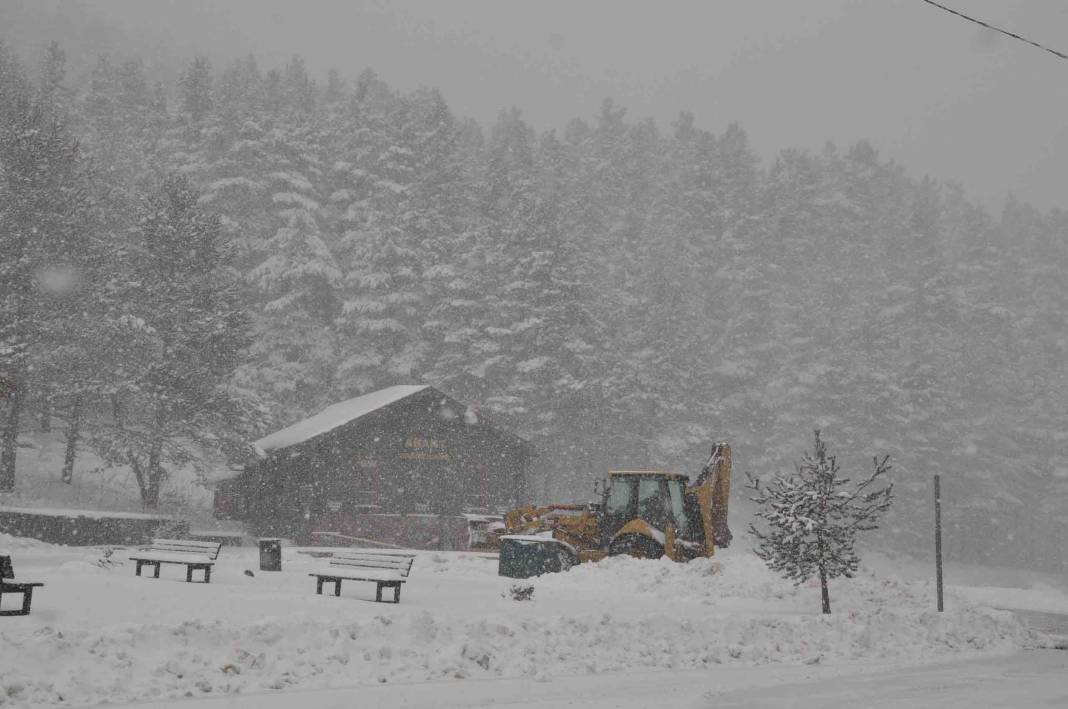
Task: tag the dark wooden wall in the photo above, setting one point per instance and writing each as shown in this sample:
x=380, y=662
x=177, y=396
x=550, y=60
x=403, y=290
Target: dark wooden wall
x=415, y=456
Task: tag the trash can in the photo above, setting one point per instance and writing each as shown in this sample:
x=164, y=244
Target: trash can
x=522, y=557
x=270, y=555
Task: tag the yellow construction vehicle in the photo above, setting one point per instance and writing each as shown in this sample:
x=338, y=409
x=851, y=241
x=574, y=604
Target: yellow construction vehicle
x=643, y=513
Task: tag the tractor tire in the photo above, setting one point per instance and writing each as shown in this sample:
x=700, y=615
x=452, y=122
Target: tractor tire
x=636, y=545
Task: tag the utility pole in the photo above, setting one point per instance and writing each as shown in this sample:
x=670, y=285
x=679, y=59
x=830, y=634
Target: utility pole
x=938, y=537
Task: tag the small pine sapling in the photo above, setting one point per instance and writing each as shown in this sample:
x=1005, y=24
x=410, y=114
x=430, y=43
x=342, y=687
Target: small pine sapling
x=106, y=561
x=813, y=516
x=521, y=592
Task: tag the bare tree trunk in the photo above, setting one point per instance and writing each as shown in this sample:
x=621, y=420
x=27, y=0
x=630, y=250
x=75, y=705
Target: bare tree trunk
x=824, y=591
x=139, y=475
x=149, y=477
x=149, y=474
x=825, y=594
x=45, y=417
x=152, y=474
x=116, y=410
x=9, y=439
x=74, y=429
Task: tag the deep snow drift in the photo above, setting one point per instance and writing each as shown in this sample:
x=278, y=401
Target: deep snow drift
x=98, y=633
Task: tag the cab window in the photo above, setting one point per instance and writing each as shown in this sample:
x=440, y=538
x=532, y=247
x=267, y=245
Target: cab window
x=619, y=496
x=678, y=510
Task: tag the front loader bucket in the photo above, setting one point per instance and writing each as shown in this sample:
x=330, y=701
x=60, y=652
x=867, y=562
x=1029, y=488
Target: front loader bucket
x=523, y=557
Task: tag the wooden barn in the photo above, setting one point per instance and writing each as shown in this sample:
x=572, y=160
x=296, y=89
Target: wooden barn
x=399, y=466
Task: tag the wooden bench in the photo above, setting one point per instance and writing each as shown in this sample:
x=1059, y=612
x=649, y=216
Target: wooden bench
x=195, y=555
x=385, y=568
x=9, y=585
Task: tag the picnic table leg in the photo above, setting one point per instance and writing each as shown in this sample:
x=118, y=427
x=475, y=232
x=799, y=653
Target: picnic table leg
x=319, y=586
x=137, y=572
x=27, y=598
x=337, y=587
x=378, y=593
x=155, y=575
x=207, y=574
x=396, y=593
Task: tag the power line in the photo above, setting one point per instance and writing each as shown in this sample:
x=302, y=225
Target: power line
x=997, y=29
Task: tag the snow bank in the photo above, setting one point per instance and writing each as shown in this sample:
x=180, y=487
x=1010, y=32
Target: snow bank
x=456, y=620
x=10, y=544
x=88, y=514
x=1040, y=597
x=137, y=661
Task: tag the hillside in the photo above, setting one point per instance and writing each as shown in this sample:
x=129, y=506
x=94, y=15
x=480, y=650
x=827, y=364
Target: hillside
x=95, y=486
x=620, y=293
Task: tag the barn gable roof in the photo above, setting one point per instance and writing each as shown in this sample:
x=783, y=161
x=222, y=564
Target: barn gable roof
x=345, y=412
x=334, y=416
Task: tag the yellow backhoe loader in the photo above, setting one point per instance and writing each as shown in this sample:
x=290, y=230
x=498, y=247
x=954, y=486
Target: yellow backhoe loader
x=643, y=513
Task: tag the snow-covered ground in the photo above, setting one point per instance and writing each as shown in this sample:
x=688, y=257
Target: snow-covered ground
x=98, y=633
x=1029, y=679
x=1043, y=598
x=998, y=587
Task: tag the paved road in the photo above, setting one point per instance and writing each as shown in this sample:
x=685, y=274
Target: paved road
x=1033, y=679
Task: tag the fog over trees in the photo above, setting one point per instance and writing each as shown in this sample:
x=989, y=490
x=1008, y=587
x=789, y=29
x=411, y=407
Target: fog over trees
x=621, y=293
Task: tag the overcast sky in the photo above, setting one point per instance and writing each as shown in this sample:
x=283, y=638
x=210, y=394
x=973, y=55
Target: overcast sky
x=940, y=95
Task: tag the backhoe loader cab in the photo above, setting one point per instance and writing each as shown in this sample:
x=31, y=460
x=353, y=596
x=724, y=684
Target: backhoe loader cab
x=650, y=513
x=655, y=497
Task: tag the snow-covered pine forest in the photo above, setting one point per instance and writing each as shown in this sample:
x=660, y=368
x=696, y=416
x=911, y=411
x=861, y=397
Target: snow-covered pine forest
x=621, y=293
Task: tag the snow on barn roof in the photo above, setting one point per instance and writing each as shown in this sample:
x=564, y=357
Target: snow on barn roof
x=89, y=514
x=336, y=415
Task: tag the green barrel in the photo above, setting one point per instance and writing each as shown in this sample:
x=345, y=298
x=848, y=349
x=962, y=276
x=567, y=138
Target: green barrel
x=523, y=557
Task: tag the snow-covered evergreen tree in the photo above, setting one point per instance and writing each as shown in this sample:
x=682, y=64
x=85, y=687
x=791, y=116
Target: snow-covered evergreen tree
x=195, y=87
x=44, y=202
x=813, y=516
x=404, y=221
x=190, y=336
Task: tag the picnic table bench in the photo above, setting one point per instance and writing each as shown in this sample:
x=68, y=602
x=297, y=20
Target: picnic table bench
x=385, y=568
x=9, y=585
x=195, y=555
